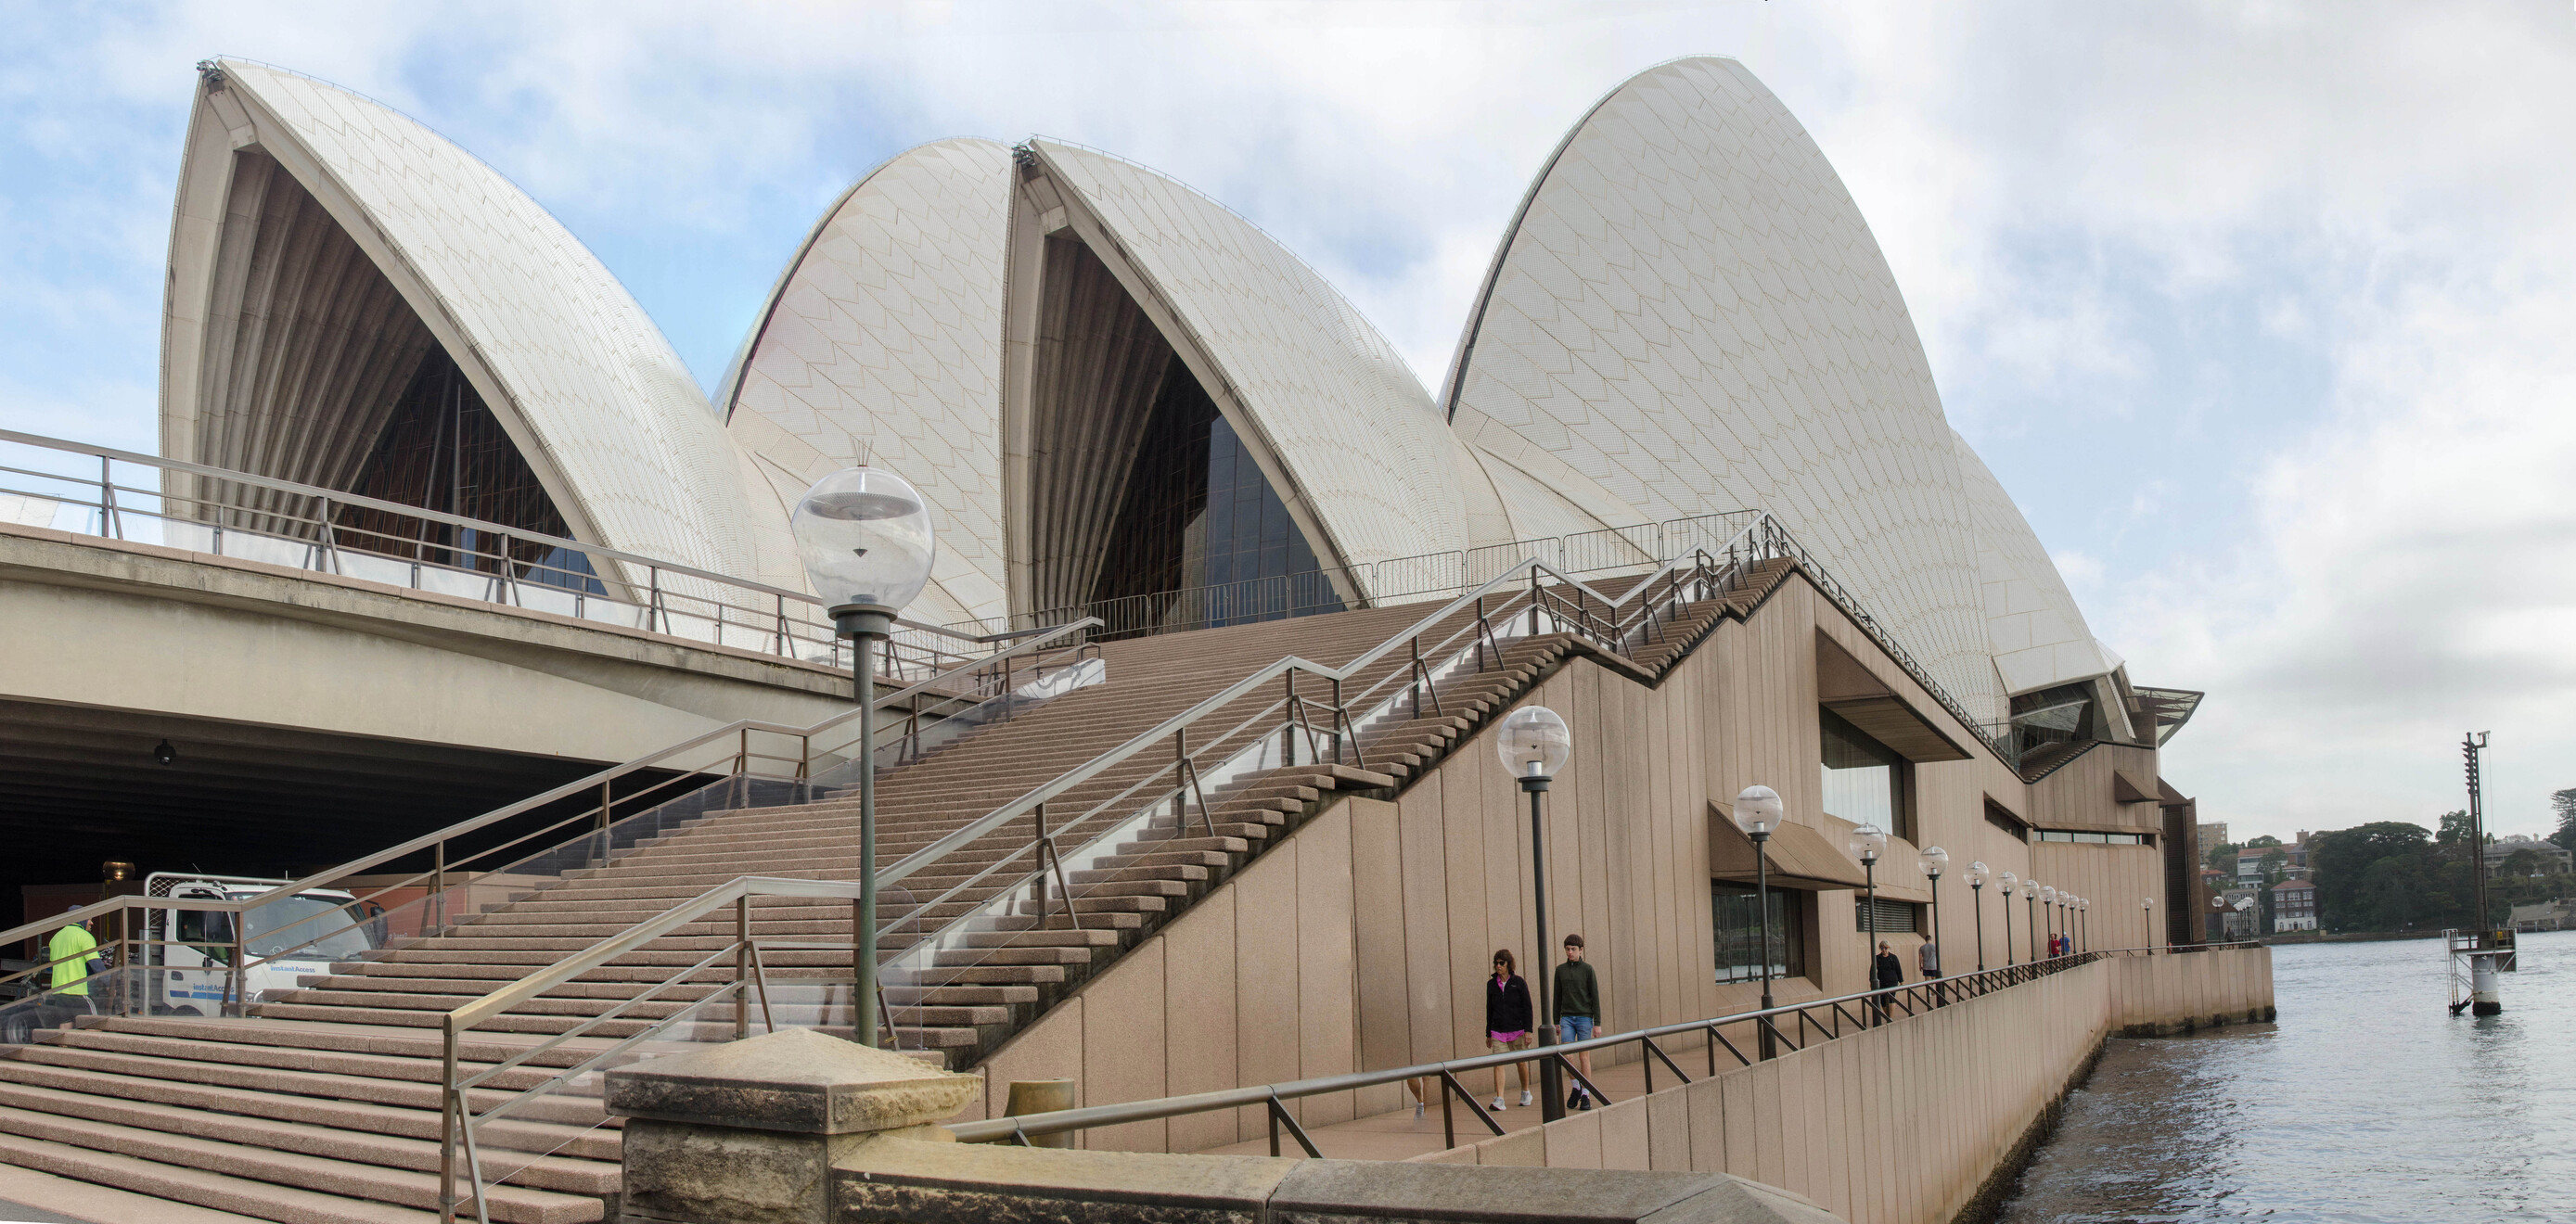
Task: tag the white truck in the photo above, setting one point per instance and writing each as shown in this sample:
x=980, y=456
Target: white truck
x=190, y=958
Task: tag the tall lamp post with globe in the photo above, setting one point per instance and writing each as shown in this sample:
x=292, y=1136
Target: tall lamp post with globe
x=867, y=541
x=2005, y=885
x=1758, y=810
x=1932, y=860
x=1534, y=744
x=1868, y=842
x=1977, y=902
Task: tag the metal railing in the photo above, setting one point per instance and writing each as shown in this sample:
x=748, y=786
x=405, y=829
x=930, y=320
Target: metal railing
x=727, y=757
x=307, y=527
x=1793, y=1025
x=1520, y=599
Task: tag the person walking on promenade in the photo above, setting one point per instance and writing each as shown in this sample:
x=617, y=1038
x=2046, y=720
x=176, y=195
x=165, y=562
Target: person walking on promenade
x=1884, y=971
x=1578, y=1012
x=1510, y=1021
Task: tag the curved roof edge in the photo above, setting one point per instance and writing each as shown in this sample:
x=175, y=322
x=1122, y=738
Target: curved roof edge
x=1323, y=396
x=2037, y=632
x=881, y=343
x=593, y=395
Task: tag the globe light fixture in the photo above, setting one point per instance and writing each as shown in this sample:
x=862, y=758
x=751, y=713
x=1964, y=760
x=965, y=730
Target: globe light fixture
x=1534, y=743
x=2048, y=914
x=1931, y=861
x=868, y=543
x=1758, y=811
x=2147, y=910
x=2030, y=894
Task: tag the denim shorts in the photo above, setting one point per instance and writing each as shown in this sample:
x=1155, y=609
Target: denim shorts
x=1574, y=1028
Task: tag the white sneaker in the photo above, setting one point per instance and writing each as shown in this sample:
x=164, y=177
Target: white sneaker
x=1497, y=1106
x=1417, y=1110
x=1525, y=1098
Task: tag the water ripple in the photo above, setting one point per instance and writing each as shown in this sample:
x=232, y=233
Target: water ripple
x=2368, y=1102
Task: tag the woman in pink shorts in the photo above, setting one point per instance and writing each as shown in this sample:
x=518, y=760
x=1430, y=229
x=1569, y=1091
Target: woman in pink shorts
x=1510, y=1021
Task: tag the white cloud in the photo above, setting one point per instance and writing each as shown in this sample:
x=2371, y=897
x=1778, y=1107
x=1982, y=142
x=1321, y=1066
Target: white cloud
x=2065, y=192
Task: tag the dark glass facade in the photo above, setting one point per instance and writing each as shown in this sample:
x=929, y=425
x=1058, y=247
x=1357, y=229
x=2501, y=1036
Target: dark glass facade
x=1201, y=537
x=444, y=450
x=1736, y=911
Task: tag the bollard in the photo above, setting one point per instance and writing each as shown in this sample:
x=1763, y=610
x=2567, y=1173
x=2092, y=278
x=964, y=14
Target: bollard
x=1042, y=1096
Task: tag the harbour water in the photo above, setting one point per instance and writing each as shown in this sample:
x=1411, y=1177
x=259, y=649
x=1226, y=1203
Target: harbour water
x=2367, y=1101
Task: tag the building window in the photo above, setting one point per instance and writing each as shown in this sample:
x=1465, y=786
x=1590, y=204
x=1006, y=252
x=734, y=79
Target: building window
x=1739, y=933
x=2097, y=839
x=1865, y=782
x=2001, y=818
x=1894, y=917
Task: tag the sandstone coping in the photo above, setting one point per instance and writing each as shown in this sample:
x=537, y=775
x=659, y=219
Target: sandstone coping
x=796, y=1081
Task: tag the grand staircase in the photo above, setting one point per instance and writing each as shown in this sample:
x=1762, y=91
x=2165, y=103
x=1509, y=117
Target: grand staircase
x=322, y=1105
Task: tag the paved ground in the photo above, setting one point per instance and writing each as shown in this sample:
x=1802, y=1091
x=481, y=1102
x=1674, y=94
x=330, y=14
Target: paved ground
x=30, y=1197
x=1400, y=1135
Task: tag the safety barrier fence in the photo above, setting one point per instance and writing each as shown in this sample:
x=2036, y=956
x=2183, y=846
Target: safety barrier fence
x=282, y=522
x=1794, y=1026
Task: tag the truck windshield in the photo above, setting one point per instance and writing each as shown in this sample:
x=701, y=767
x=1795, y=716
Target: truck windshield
x=334, y=935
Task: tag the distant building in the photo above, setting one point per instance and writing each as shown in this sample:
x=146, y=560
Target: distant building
x=2294, y=860
x=2212, y=835
x=2294, y=906
x=2555, y=914
x=2553, y=860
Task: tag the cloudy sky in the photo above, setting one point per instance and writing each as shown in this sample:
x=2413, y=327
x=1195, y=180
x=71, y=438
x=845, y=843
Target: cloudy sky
x=2262, y=311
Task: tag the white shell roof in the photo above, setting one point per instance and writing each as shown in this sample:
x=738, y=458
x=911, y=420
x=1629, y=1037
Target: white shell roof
x=2038, y=634
x=1692, y=314
x=581, y=369
x=883, y=343
x=1334, y=402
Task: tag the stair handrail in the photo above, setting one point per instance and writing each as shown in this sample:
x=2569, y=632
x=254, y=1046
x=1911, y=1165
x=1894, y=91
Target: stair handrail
x=1477, y=629
x=1029, y=641
x=973, y=830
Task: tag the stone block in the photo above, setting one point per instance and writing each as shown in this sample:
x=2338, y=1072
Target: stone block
x=957, y=1183
x=797, y=1081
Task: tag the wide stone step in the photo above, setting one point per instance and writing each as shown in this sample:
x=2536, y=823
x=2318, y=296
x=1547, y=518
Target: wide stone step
x=201, y=1188
x=317, y=1174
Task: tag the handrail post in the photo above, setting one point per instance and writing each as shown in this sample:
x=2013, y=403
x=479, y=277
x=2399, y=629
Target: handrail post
x=447, y=1124
x=741, y=965
x=1288, y=726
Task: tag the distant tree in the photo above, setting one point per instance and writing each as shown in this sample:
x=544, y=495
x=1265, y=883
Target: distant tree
x=2259, y=842
x=2274, y=863
x=2368, y=876
x=2564, y=803
x=2221, y=857
x=2453, y=830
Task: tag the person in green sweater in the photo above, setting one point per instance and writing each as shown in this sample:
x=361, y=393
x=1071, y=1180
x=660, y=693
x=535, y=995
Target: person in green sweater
x=1578, y=1012
x=70, y=950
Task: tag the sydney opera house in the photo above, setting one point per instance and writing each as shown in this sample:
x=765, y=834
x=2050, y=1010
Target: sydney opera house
x=1111, y=385
x=1131, y=410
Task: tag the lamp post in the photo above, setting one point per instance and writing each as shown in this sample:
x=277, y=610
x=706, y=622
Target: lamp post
x=1758, y=810
x=2217, y=914
x=1868, y=842
x=1977, y=902
x=2146, y=910
x=1534, y=744
x=2048, y=916
x=2005, y=885
x=2030, y=893
x=867, y=541
x=2084, y=925
x=1932, y=860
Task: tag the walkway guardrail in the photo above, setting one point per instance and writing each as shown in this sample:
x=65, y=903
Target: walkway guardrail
x=1841, y=1016
x=307, y=527
x=741, y=764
